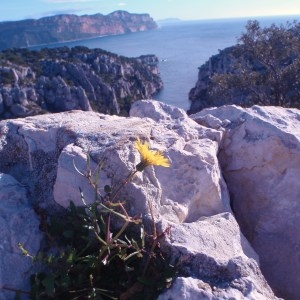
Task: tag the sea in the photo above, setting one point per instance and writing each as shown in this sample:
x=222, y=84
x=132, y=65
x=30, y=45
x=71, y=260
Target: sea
x=181, y=46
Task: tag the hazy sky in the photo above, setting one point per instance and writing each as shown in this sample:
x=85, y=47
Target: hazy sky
x=158, y=9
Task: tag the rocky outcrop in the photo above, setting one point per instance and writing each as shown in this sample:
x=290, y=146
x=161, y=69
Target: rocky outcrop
x=260, y=160
x=213, y=91
x=62, y=79
x=262, y=69
x=215, y=261
x=199, y=96
x=18, y=224
x=63, y=28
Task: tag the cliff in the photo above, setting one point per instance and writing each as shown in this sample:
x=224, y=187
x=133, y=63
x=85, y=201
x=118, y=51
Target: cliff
x=62, y=79
x=70, y=27
x=199, y=95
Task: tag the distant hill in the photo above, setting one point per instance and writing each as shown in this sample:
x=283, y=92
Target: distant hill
x=60, y=28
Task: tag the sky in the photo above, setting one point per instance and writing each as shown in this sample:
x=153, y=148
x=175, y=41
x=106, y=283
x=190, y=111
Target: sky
x=11, y=10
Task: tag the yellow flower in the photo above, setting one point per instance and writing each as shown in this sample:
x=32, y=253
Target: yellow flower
x=149, y=157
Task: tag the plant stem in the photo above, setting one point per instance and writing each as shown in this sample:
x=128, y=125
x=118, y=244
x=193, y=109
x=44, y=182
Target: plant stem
x=127, y=179
x=154, y=243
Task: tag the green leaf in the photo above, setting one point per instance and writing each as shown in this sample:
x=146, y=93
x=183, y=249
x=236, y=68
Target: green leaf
x=137, y=253
x=68, y=234
x=50, y=259
x=71, y=257
x=135, y=244
x=127, y=239
x=122, y=242
x=65, y=281
x=48, y=283
x=143, y=235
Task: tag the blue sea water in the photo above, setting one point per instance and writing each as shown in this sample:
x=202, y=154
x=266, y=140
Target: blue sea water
x=181, y=48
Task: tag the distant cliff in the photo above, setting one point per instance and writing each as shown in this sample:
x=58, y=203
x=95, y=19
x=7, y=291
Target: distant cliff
x=62, y=79
x=70, y=27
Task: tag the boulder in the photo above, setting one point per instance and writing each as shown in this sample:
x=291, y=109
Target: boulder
x=1, y=104
x=260, y=160
x=72, y=163
x=18, y=224
x=178, y=138
x=216, y=260
x=47, y=154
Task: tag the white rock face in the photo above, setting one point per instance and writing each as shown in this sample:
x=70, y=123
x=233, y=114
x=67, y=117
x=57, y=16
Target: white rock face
x=190, y=196
x=260, y=158
x=189, y=288
x=18, y=224
x=214, y=248
x=196, y=189
x=193, y=186
x=72, y=163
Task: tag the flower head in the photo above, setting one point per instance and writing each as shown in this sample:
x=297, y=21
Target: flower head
x=149, y=157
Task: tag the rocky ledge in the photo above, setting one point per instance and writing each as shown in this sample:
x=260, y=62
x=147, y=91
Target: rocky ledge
x=62, y=28
x=62, y=79
x=231, y=239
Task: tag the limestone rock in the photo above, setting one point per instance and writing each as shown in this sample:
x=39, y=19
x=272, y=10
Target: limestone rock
x=1, y=104
x=199, y=95
x=213, y=250
x=191, y=196
x=18, y=224
x=189, y=288
x=260, y=159
x=68, y=183
x=200, y=192
x=192, y=151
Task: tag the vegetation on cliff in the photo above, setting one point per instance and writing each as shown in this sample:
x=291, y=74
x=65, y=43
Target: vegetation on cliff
x=62, y=79
x=263, y=69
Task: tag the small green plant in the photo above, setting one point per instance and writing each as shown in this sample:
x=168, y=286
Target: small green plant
x=89, y=259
